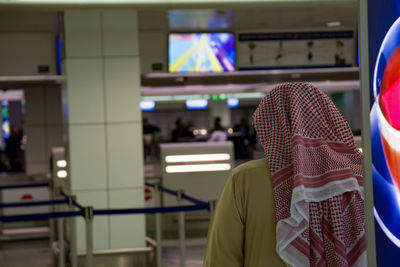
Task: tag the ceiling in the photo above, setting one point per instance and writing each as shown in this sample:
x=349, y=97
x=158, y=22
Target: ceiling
x=60, y=5
x=271, y=18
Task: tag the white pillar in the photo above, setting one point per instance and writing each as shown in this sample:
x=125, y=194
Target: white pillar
x=104, y=121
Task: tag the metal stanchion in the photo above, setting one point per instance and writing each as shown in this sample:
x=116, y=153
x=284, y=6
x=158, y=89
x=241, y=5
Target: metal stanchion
x=157, y=199
x=60, y=230
x=61, y=247
x=72, y=234
x=88, y=214
x=182, y=251
x=51, y=221
x=51, y=230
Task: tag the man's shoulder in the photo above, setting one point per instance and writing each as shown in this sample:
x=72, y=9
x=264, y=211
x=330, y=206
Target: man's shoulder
x=251, y=166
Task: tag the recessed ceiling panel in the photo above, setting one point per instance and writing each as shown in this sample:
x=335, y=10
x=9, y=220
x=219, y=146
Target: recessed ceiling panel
x=200, y=20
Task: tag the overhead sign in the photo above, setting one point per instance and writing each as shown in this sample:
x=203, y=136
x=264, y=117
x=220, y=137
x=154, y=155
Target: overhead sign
x=218, y=97
x=296, y=50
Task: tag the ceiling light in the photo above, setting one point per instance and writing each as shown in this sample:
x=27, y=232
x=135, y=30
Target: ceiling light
x=198, y=168
x=233, y=102
x=62, y=174
x=196, y=103
x=61, y=163
x=197, y=157
x=147, y=105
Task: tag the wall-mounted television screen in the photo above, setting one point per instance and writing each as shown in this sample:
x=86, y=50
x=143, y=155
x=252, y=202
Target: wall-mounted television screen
x=201, y=52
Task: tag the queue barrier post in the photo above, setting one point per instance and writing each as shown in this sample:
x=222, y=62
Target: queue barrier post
x=52, y=230
x=72, y=234
x=182, y=250
x=88, y=215
x=58, y=192
x=61, y=246
x=60, y=231
x=157, y=199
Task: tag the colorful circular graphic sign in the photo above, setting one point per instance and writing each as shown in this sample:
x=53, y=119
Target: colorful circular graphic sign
x=385, y=135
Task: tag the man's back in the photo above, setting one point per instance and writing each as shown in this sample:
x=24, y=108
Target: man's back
x=243, y=228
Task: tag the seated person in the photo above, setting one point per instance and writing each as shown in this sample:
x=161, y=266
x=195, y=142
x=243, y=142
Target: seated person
x=218, y=133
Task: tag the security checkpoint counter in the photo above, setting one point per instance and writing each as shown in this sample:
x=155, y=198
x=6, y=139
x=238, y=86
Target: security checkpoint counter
x=200, y=169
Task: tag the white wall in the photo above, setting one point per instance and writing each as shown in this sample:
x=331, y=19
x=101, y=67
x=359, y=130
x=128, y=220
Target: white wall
x=153, y=46
x=22, y=53
x=27, y=40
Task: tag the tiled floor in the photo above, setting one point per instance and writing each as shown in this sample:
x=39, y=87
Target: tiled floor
x=33, y=253
x=194, y=252
x=36, y=253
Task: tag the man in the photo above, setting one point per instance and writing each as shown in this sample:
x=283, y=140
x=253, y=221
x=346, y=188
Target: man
x=303, y=204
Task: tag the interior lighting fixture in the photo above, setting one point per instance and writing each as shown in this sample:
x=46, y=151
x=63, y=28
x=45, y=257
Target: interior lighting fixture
x=147, y=105
x=197, y=157
x=196, y=103
x=233, y=102
x=198, y=168
x=203, y=131
x=61, y=163
x=230, y=131
x=334, y=24
x=62, y=174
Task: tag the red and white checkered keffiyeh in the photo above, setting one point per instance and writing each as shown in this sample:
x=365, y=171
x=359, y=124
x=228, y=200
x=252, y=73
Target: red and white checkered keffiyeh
x=316, y=176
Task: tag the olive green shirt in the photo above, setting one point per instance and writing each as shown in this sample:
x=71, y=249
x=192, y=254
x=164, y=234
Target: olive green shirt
x=242, y=230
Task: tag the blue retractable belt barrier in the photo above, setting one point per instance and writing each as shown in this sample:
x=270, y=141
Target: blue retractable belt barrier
x=32, y=203
x=175, y=193
x=166, y=190
x=200, y=205
x=169, y=191
x=192, y=199
x=40, y=216
x=74, y=202
x=149, y=184
x=23, y=186
x=151, y=210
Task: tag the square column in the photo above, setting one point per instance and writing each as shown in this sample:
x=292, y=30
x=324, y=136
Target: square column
x=104, y=122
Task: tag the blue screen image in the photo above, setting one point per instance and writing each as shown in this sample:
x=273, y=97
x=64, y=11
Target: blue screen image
x=201, y=52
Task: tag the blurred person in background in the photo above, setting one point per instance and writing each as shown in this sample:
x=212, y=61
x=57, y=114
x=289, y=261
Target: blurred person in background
x=218, y=133
x=151, y=138
x=13, y=149
x=149, y=128
x=188, y=130
x=179, y=130
x=303, y=204
x=243, y=128
x=240, y=138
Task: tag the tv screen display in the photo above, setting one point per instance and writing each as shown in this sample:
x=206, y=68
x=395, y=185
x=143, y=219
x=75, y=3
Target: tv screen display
x=201, y=52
